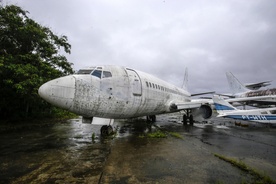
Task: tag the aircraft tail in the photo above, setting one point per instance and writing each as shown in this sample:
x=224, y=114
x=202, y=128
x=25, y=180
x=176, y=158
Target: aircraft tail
x=222, y=106
x=185, y=80
x=235, y=85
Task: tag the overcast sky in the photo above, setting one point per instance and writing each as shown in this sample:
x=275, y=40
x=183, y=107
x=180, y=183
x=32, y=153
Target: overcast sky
x=162, y=37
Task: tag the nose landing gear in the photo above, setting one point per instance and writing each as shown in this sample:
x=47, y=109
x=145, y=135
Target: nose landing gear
x=106, y=130
x=151, y=118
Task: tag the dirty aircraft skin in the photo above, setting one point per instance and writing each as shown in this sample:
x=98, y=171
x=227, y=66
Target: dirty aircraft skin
x=116, y=92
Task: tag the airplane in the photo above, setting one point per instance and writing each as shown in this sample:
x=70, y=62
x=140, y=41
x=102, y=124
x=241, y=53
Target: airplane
x=240, y=90
x=116, y=92
x=237, y=87
x=224, y=109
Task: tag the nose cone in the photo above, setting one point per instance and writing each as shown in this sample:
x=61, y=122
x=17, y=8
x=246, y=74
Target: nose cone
x=59, y=92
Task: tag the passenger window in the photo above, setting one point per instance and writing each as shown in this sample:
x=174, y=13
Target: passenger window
x=106, y=74
x=147, y=84
x=97, y=73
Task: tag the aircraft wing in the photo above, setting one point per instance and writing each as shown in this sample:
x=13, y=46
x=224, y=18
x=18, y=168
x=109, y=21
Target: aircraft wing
x=194, y=103
x=198, y=107
x=255, y=101
x=197, y=103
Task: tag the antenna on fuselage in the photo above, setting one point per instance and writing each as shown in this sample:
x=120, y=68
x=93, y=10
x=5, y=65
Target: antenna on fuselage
x=185, y=80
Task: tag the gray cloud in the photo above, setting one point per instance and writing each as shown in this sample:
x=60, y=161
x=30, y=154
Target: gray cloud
x=164, y=37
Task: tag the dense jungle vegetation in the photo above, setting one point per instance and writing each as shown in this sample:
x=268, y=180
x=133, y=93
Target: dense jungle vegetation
x=30, y=55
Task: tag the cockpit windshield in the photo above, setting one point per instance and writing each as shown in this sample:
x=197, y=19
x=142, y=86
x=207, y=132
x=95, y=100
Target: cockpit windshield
x=95, y=71
x=85, y=71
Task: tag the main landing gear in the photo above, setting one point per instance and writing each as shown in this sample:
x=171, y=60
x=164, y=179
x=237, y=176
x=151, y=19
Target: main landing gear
x=150, y=121
x=188, y=117
x=107, y=129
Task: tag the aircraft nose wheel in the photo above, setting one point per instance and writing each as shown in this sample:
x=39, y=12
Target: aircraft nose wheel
x=106, y=130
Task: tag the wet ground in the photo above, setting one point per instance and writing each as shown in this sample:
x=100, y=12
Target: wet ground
x=72, y=152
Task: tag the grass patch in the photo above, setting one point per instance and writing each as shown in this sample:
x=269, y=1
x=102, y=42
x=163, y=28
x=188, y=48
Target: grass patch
x=259, y=177
x=161, y=134
x=176, y=135
x=141, y=136
x=157, y=134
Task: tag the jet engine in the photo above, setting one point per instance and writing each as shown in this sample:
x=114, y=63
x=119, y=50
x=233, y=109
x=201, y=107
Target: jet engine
x=205, y=112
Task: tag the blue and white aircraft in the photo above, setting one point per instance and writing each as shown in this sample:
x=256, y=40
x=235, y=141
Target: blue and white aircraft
x=224, y=109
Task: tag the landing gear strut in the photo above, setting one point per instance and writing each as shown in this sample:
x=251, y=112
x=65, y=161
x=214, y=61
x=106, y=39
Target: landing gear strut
x=106, y=130
x=188, y=117
x=151, y=118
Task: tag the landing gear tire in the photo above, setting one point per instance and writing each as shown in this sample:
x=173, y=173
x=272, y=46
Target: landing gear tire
x=106, y=130
x=109, y=130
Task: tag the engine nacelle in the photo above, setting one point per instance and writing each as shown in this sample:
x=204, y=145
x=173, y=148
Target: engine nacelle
x=205, y=111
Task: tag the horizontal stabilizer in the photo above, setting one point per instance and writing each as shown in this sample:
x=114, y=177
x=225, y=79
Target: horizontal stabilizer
x=205, y=93
x=256, y=86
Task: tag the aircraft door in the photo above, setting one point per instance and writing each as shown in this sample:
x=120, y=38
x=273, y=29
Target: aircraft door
x=135, y=82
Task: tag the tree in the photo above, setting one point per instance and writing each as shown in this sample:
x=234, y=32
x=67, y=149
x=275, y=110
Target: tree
x=29, y=56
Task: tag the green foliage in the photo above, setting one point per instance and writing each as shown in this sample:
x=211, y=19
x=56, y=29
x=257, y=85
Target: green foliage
x=61, y=114
x=93, y=137
x=29, y=57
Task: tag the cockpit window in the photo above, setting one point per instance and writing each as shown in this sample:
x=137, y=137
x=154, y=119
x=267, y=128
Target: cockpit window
x=106, y=74
x=97, y=73
x=88, y=71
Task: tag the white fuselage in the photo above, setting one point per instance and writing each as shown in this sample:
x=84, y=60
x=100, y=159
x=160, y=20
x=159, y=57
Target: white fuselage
x=113, y=92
